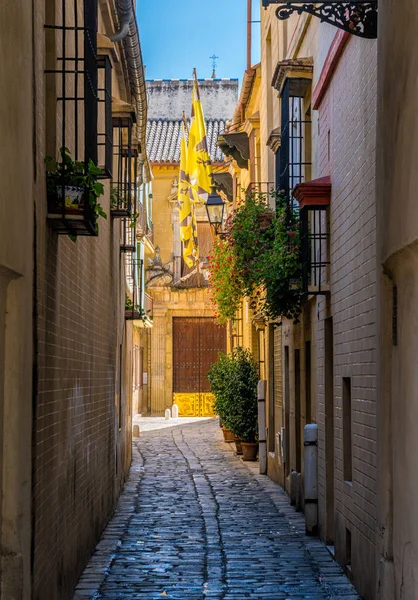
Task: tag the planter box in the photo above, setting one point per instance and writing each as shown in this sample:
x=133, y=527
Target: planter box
x=71, y=216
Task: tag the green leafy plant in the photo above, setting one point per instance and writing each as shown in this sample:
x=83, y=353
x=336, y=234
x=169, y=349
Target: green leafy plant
x=128, y=303
x=119, y=200
x=140, y=313
x=224, y=279
x=74, y=173
x=250, y=241
x=282, y=269
x=233, y=380
x=116, y=198
x=260, y=260
x=220, y=375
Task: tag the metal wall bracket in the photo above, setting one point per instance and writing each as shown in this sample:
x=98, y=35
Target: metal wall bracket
x=356, y=17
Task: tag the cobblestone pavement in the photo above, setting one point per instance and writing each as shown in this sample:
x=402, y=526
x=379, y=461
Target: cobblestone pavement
x=194, y=522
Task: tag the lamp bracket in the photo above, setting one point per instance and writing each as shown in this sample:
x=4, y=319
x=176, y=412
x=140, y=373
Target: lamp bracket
x=356, y=17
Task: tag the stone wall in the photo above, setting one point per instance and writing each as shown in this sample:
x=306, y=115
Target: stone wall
x=397, y=268
x=16, y=266
x=169, y=97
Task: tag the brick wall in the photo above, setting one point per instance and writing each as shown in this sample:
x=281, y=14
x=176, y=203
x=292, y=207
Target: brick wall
x=83, y=378
x=81, y=439
x=347, y=116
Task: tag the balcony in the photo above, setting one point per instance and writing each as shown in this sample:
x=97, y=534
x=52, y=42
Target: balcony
x=128, y=235
x=138, y=305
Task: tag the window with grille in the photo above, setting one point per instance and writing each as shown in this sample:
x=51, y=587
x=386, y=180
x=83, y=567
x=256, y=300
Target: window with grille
x=293, y=164
x=72, y=103
x=134, y=307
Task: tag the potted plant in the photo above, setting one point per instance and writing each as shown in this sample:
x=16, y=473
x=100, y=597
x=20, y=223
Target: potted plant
x=244, y=417
x=133, y=312
x=233, y=379
x=120, y=202
x=238, y=446
x=219, y=377
x=72, y=183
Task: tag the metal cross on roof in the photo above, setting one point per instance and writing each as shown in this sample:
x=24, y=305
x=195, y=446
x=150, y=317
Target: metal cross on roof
x=358, y=17
x=214, y=65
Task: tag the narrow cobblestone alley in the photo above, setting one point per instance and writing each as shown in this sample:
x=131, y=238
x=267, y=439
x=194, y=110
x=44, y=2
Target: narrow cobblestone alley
x=195, y=522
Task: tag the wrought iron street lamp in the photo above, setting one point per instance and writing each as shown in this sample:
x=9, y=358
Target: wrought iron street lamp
x=215, y=208
x=358, y=17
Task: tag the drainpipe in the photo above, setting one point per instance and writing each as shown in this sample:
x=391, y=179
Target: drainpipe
x=125, y=13
x=249, y=31
x=128, y=34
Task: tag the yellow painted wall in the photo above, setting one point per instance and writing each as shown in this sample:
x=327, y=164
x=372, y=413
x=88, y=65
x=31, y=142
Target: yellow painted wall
x=168, y=302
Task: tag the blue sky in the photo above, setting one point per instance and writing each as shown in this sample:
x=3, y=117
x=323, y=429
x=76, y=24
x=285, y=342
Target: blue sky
x=177, y=35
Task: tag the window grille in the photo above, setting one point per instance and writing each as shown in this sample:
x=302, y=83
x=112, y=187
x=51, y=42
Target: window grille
x=134, y=308
x=72, y=83
x=128, y=235
x=292, y=164
x=313, y=198
x=123, y=197
x=314, y=250
x=105, y=134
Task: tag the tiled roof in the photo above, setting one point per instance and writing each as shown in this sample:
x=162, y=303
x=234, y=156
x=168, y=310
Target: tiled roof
x=163, y=140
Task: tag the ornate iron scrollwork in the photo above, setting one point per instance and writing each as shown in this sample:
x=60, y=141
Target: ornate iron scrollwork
x=356, y=17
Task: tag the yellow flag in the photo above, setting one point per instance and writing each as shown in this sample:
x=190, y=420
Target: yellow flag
x=185, y=206
x=198, y=159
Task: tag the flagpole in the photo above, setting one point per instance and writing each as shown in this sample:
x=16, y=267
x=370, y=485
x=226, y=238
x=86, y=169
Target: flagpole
x=197, y=259
x=186, y=126
x=197, y=83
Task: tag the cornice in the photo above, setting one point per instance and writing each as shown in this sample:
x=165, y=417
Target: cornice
x=297, y=68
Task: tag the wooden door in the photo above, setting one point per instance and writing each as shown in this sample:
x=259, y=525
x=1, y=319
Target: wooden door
x=197, y=342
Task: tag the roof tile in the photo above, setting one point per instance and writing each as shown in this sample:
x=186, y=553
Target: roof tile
x=163, y=140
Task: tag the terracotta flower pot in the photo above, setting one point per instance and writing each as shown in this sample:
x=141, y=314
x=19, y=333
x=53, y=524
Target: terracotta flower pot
x=249, y=450
x=228, y=435
x=238, y=446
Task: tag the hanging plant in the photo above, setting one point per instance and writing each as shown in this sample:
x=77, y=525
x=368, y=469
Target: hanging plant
x=251, y=239
x=224, y=280
x=78, y=182
x=262, y=261
x=282, y=270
